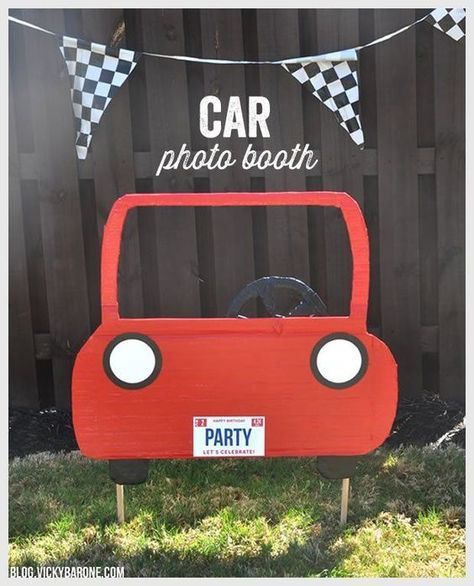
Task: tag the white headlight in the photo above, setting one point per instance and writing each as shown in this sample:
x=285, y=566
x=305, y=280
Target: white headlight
x=339, y=360
x=132, y=360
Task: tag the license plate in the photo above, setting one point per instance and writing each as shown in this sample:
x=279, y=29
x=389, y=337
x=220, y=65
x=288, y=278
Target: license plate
x=228, y=437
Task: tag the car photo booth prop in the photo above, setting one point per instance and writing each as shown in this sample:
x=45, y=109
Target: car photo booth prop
x=300, y=384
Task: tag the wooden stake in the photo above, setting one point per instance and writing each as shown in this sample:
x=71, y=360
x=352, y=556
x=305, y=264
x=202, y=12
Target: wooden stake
x=344, y=500
x=120, y=503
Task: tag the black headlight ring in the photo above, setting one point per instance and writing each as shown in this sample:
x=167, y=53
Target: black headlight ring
x=132, y=336
x=339, y=336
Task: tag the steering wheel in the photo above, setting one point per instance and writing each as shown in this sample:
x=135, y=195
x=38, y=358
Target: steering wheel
x=265, y=288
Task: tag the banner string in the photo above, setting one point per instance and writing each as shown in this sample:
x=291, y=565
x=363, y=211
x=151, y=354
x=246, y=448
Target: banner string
x=344, y=55
x=31, y=25
x=390, y=35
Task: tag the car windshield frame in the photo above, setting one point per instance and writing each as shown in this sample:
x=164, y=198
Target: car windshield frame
x=351, y=213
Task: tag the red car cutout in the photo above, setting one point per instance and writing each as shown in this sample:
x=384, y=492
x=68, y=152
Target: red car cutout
x=304, y=385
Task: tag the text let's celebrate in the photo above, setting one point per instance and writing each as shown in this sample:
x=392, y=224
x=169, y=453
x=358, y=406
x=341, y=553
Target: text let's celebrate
x=213, y=125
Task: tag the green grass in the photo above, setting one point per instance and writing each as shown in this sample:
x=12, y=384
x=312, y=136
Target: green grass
x=275, y=517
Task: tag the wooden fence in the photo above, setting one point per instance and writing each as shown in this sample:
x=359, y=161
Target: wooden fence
x=409, y=181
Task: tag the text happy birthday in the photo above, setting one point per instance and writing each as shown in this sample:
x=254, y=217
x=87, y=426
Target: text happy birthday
x=213, y=124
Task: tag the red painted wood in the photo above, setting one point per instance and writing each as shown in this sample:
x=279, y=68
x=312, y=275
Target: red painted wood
x=228, y=366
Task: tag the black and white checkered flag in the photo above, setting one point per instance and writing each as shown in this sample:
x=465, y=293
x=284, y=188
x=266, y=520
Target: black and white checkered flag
x=451, y=21
x=96, y=73
x=335, y=84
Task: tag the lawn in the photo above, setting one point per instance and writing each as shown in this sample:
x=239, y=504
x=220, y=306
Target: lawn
x=275, y=517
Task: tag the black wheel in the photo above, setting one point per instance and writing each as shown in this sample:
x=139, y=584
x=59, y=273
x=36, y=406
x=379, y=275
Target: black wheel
x=128, y=471
x=334, y=467
x=265, y=288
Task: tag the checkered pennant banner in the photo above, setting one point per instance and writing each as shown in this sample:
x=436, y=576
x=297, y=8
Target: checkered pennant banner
x=451, y=21
x=96, y=72
x=335, y=84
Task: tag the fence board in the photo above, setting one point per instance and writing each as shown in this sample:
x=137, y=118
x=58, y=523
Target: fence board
x=371, y=214
x=308, y=24
x=317, y=244
x=424, y=81
x=428, y=250
x=398, y=195
x=368, y=81
x=59, y=198
x=427, y=202
x=287, y=228
x=113, y=165
x=169, y=128
x=91, y=248
x=340, y=164
x=449, y=61
x=30, y=216
x=232, y=237
x=23, y=388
